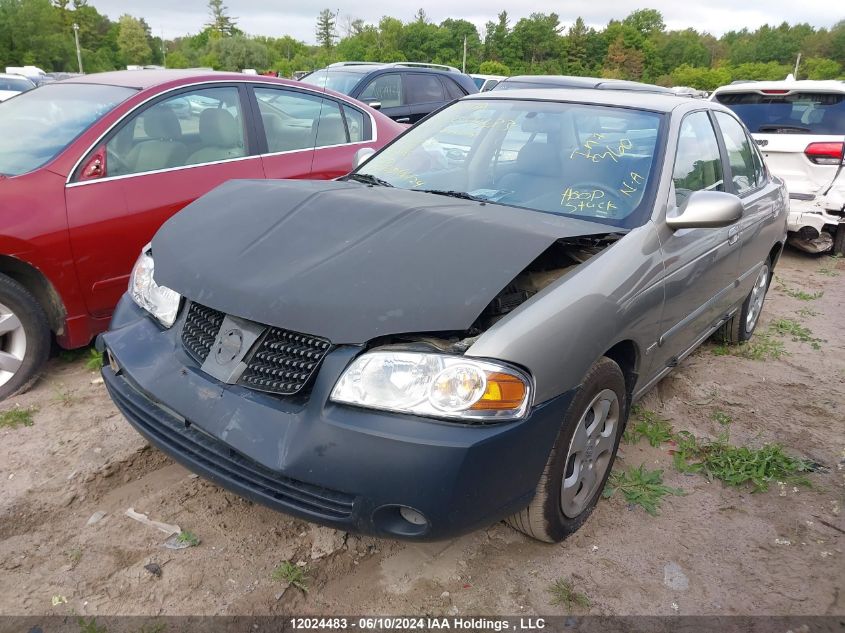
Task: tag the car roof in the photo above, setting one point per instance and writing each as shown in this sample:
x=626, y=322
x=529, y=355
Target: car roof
x=657, y=102
x=143, y=79
x=571, y=81
x=813, y=85
x=14, y=76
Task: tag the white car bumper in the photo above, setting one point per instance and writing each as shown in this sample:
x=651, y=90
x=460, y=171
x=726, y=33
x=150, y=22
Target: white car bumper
x=813, y=223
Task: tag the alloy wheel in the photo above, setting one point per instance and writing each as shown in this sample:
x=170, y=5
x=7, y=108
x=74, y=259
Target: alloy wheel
x=758, y=296
x=12, y=344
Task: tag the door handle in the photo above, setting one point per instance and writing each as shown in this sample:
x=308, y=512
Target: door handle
x=733, y=235
x=404, y=119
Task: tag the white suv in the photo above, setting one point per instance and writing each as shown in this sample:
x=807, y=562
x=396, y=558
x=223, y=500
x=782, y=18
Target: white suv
x=800, y=127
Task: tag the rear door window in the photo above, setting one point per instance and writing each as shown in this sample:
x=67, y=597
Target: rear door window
x=423, y=88
x=453, y=90
x=793, y=113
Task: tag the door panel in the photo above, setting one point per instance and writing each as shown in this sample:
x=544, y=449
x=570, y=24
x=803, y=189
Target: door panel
x=424, y=93
x=701, y=264
x=159, y=160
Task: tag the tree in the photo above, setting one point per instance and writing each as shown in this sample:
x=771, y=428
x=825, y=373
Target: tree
x=221, y=22
x=326, y=29
x=623, y=62
x=239, y=52
x=132, y=41
x=494, y=68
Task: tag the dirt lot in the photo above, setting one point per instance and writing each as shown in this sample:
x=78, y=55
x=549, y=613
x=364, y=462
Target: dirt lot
x=715, y=550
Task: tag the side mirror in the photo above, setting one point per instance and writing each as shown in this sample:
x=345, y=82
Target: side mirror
x=706, y=209
x=95, y=167
x=362, y=156
x=375, y=105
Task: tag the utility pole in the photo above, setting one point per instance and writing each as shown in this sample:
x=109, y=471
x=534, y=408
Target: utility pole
x=464, y=66
x=797, y=62
x=163, y=50
x=78, y=51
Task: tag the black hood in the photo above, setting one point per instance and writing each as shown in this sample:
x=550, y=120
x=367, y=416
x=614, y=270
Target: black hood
x=347, y=261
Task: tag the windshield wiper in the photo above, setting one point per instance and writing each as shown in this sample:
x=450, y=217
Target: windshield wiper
x=463, y=195
x=368, y=179
x=775, y=127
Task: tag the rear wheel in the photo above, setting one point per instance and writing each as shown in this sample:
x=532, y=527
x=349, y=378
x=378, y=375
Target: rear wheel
x=741, y=326
x=581, y=458
x=24, y=338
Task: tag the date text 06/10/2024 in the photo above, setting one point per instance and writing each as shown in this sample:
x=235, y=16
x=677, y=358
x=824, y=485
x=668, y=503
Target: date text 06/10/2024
x=418, y=623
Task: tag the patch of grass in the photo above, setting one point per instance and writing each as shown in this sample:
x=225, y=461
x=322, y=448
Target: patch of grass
x=95, y=360
x=721, y=417
x=738, y=465
x=74, y=556
x=186, y=536
x=828, y=272
x=647, y=425
x=806, y=312
x=799, y=294
x=13, y=418
x=640, y=487
x=64, y=396
x=90, y=626
x=564, y=594
x=798, y=332
x=72, y=355
x=292, y=574
x=761, y=347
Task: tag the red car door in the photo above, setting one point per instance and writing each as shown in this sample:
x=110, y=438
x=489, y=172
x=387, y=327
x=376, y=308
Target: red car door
x=342, y=131
x=287, y=121
x=158, y=160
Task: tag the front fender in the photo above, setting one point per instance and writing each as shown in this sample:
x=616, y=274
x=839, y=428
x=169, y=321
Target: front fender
x=559, y=333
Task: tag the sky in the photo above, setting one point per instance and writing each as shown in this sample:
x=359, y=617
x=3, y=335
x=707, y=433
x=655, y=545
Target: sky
x=298, y=19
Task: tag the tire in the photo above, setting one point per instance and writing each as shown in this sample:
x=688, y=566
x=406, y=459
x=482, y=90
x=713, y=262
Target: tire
x=24, y=338
x=551, y=516
x=741, y=326
x=839, y=240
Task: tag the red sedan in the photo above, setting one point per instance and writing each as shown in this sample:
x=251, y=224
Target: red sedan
x=91, y=167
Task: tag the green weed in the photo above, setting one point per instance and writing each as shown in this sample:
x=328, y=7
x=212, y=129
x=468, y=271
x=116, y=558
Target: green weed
x=13, y=418
x=292, y=574
x=647, y=425
x=761, y=347
x=798, y=332
x=640, y=487
x=95, y=360
x=564, y=594
x=737, y=465
x=188, y=537
x=828, y=272
x=721, y=417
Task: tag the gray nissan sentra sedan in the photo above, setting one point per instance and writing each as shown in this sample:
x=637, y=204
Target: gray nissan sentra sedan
x=454, y=333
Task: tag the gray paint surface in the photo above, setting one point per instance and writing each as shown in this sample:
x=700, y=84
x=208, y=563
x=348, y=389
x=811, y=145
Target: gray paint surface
x=347, y=261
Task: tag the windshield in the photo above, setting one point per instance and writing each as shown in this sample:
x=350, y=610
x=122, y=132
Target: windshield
x=16, y=84
x=586, y=161
x=795, y=113
x=337, y=80
x=37, y=125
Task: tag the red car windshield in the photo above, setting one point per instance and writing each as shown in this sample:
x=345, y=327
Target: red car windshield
x=37, y=125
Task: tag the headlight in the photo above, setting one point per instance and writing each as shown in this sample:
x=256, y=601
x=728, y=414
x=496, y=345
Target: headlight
x=435, y=385
x=160, y=301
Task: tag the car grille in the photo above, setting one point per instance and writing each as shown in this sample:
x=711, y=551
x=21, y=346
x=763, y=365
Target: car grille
x=283, y=361
x=200, y=451
x=200, y=330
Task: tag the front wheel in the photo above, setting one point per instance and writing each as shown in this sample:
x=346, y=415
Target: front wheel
x=581, y=458
x=741, y=326
x=24, y=338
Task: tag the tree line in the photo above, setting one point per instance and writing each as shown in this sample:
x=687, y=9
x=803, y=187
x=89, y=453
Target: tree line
x=637, y=47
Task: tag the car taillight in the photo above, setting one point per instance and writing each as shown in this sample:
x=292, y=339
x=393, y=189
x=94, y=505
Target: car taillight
x=825, y=153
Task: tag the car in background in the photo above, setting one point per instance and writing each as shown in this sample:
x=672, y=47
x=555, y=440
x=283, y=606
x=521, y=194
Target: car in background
x=11, y=85
x=800, y=128
x=404, y=91
x=486, y=82
x=420, y=349
x=91, y=166
x=519, y=82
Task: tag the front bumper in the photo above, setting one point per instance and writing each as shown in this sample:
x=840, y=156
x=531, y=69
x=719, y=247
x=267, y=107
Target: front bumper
x=341, y=466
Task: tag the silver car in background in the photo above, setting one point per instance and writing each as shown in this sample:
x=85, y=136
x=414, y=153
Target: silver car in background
x=454, y=333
